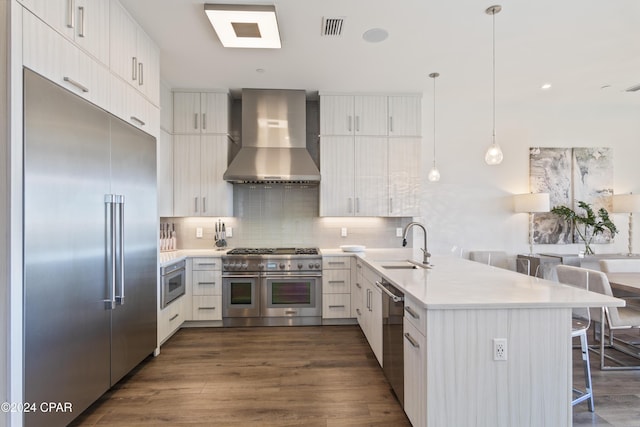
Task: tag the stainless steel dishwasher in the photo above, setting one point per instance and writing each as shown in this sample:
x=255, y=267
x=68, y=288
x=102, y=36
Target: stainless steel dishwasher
x=392, y=337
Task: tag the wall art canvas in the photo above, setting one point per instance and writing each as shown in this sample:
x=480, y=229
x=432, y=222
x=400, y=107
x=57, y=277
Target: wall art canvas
x=593, y=182
x=569, y=175
x=550, y=172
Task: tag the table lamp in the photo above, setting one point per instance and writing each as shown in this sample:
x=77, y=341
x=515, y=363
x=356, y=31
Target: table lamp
x=627, y=203
x=531, y=203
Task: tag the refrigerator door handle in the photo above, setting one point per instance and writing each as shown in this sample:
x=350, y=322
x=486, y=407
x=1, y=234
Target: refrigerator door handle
x=109, y=200
x=120, y=277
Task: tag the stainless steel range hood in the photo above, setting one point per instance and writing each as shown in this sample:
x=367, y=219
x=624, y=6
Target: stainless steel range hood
x=273, y=139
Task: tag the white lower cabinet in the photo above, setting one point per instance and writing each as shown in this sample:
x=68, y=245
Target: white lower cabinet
x=170, y=319
x=336, y=287
x=415, y=400
x=206, y=289
x=371, y=323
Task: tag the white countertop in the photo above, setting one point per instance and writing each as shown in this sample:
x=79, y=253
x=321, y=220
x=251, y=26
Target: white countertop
x=455, y=283
x=168, y=258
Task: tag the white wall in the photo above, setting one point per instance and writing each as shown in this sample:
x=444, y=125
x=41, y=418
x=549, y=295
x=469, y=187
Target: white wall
x=470, y=207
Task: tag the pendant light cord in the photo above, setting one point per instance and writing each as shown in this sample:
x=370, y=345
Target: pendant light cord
x=494, y=76
x=434, y=121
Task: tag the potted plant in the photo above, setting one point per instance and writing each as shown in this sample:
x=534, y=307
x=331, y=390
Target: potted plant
x=592, y=224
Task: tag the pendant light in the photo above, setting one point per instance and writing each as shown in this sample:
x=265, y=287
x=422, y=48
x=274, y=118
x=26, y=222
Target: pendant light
x=434, y=173
x=494, y=153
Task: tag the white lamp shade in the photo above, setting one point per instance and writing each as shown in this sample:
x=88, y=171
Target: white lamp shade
x=532, y=202
x=626, y=203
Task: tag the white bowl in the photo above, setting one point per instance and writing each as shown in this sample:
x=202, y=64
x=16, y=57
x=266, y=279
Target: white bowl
x=352, y=248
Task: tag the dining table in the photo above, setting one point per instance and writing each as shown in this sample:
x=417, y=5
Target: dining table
x=627, y=282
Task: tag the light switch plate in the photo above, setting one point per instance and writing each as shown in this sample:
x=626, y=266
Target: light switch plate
x=199, y=233
x=398, y=232
x=343, y=232
x=229, y=232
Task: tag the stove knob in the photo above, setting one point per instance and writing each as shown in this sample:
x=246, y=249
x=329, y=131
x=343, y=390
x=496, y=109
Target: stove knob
x=317, y=265
x=300, y=266
x=225, y=266
x=245, y=266
x=260, y=266
x=310, y=265
x=232, y=266
x=282, y=266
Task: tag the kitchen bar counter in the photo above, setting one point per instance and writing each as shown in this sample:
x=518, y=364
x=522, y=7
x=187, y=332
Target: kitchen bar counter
x=455, y=283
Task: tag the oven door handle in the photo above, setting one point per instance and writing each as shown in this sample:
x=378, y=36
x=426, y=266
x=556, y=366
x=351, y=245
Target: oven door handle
x=240, y=276
x=291, y=276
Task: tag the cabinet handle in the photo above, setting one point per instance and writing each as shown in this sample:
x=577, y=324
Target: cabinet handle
x=290, y=312
x=391, y=204
x=335, y=262
x=204, y=204
x=349, y=120
x=336, y=281
x=207, y=283
x=81, y=17
x=206, y=263
x=369, y=299
x=195, y=121
x=336, y=306
x=357, y=204
x=174, y=317
x=76, y=84
x=391, y=124
x=357, y=123
x=413, y=342
x=137, y=120
x=70, y=16
x=358, y=286
x=412, y=312
x=140, y=74
x=134, y=68
x=196, y=205
x=359, y=265
x=206, y=308
x=204, y=121
x=358, y=311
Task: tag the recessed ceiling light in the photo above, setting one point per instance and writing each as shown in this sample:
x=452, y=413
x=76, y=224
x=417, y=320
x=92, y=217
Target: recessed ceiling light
x=545, y=86
x=375, y=35
x=245, y=26
x=259, y=70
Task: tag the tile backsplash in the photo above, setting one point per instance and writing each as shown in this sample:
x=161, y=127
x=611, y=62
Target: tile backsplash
x=282, y=215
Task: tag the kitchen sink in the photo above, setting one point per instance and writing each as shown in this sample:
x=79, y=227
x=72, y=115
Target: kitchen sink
x=403, y=265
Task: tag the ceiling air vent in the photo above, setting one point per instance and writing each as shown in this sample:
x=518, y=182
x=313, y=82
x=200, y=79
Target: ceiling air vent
x=332, y=26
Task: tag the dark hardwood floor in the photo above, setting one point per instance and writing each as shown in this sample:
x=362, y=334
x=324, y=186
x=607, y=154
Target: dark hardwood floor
x=312, y=376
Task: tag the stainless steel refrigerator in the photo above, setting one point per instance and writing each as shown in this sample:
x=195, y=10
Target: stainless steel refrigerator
x=90, y=249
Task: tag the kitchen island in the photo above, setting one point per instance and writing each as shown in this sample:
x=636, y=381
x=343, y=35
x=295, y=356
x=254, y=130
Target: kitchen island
x=451, y=377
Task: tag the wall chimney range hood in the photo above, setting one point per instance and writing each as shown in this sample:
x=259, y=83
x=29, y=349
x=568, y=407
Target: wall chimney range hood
x=273, y=139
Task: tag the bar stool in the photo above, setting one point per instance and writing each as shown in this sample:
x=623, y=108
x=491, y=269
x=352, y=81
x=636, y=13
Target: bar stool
x=581, y=318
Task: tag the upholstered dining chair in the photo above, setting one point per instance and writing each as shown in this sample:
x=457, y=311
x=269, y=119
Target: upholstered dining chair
x=611, y=320
x=494, y=258
x=581, y=319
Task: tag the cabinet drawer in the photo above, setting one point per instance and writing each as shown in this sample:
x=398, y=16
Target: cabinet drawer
x=336, y=262
x=170, y=319
x=207, y=307
x=415, y=314
x=336, y=306
x=206, y=263
x=206, y=282
x=336, y=281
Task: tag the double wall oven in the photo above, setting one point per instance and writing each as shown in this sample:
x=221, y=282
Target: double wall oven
x=272, y=287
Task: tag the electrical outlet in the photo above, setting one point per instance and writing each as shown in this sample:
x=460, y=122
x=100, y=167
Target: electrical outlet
x=199, y=233
x=343, y=232
x=229, y=232
x=398, y=232
x=499, y=349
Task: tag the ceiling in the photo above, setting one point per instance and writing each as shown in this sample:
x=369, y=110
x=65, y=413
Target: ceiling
x=579, y=46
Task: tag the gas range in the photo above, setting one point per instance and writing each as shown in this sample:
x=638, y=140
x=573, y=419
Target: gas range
x=272, y=260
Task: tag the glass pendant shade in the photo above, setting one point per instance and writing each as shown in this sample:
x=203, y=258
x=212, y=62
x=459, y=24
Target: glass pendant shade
x=434, y=174
x=494, y=154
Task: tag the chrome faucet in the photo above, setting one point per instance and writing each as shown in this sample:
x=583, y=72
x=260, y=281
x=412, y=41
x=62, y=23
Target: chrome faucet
x=425, y=253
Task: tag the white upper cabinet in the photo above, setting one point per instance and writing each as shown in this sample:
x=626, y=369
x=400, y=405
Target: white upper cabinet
x=134, y=56
x=371, y=176
x=199, y=162
x=353, y=115
x=405, y=115
x=404, y=176
x=85, y=22
x=196, y=113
